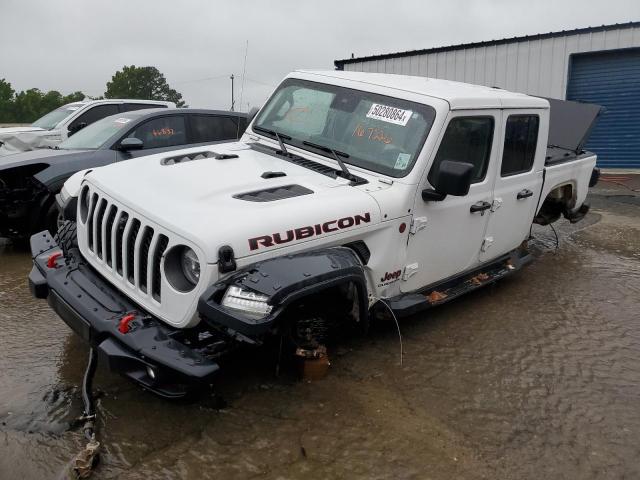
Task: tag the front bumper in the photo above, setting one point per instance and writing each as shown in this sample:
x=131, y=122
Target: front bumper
x=150, y=353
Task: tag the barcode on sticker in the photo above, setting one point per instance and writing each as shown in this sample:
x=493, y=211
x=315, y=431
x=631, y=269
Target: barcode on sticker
x=389, y=114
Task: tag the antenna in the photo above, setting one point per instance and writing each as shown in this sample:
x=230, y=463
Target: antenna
x=244, y=71
x=232, y=99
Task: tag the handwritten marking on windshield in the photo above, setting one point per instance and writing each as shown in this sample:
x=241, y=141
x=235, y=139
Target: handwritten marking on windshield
x=374, y=134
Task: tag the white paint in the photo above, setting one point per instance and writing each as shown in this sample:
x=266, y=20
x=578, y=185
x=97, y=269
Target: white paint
x=193, y=203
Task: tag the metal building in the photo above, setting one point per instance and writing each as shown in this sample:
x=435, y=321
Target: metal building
x=597, y=64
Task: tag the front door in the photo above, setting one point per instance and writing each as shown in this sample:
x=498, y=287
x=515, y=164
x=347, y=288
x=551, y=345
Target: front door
x=447, y=235
x=517, y=183
x=158, y=135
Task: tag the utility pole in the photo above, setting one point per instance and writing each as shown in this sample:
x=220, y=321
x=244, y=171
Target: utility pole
x=232, y=99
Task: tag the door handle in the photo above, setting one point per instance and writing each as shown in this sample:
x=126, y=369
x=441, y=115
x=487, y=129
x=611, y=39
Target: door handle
x=526, y=193
x=480, y=207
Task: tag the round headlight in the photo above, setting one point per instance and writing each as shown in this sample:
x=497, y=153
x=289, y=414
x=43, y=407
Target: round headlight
x=182, y=268
x=190, y=265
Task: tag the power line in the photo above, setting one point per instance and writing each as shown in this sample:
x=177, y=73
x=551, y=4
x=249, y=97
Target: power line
x=202, y=79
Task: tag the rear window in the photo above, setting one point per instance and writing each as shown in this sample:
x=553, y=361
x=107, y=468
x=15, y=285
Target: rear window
x=214, y=128
x=129, y=107
x=520, y=139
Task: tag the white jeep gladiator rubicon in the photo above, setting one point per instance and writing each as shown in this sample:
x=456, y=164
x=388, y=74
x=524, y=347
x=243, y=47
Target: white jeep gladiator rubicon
x=349, y=194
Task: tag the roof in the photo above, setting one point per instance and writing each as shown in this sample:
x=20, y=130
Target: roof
x=459, y=95
x=603, y=28
x=152, y=112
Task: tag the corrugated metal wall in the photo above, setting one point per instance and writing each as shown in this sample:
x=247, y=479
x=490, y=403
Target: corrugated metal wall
x=537, y=67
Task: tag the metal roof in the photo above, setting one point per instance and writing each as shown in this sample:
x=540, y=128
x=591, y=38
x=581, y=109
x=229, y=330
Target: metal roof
x=339, y=64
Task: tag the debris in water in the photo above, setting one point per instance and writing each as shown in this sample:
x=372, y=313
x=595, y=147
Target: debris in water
x=86, y=460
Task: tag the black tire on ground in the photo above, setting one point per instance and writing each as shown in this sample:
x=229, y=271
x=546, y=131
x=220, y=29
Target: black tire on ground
x=67, y=238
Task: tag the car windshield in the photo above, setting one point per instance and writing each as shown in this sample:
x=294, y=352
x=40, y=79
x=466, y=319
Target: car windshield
x=95, y=135
x=379, y=133
x=53, y=118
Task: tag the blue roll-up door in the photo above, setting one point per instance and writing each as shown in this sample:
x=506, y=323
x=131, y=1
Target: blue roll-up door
x=610, y=79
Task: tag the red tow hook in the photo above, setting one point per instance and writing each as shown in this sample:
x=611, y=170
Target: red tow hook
x=53, y=258
x=123, y=326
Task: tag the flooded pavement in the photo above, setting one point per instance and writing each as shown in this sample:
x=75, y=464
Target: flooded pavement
x=536, y=377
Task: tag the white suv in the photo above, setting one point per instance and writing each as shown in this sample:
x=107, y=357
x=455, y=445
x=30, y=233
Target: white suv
x=64, y=121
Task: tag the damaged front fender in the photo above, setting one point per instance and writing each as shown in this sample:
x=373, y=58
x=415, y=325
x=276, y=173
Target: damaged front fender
x=283, y=281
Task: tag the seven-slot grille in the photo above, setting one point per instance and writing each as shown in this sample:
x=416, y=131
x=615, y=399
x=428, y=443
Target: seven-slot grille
x=127, y=246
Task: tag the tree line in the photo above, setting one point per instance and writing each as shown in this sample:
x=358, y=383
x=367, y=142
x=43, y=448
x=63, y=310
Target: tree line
x=26, y=106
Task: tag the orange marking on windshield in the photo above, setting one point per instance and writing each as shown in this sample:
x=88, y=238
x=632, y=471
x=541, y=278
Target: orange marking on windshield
x=373, y=134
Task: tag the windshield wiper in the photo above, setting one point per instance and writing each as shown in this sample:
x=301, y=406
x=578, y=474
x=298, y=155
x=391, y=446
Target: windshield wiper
x=273, y=133
x=336, y=154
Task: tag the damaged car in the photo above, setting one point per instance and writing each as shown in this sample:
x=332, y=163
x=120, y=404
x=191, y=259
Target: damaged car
x=59, y=124
x=350, y=196
x=30, y=181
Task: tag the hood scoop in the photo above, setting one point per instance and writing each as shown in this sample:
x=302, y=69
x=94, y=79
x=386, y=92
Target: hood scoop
x=196, y=156
x=274, y=193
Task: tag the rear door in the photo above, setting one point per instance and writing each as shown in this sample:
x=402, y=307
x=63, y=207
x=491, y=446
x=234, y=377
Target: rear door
x=446, y=236
x=517, y=183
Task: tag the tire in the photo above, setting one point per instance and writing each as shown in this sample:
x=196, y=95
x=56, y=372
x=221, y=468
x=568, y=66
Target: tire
x=67, y=238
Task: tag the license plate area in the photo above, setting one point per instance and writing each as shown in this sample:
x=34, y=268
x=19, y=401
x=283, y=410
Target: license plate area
x=70, y=316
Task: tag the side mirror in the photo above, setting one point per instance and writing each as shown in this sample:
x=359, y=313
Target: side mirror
x=454, y=178
x=131, y=143
x=76, y=128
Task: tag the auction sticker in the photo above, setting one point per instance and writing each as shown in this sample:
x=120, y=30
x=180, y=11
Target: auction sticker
x=402, y=161
x=388, y=114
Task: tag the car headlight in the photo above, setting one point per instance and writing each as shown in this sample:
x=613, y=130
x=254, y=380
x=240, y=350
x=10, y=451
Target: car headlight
x=182, y=268
x=190, y=265
x=250, y=304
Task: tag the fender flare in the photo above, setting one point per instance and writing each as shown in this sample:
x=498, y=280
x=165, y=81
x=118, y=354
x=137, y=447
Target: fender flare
x=284, y=280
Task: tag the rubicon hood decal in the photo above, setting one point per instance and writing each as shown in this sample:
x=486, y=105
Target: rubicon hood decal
x=308, y=231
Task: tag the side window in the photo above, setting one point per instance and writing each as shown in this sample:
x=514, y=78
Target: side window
x=128, y=107
x=520, y=138
x=211, y=128
x=467, y=139
x=94, y=114
x=161, y=132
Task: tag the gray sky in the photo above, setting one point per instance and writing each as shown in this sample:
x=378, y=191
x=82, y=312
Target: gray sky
x=70, y=45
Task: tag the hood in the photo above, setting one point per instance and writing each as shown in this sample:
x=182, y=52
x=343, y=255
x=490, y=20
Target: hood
x=215, y=202
x=13, y=130
x=22, y=139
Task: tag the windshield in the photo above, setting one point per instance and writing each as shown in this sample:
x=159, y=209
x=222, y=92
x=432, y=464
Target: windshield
x=95, y=135
x=379, y=133
x=54, y=117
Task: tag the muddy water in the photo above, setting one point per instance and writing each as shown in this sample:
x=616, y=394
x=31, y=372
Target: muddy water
x=537, y=377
